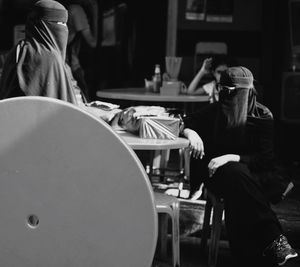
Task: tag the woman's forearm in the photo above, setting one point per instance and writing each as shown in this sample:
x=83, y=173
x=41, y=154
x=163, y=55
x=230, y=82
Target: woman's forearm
x=233, y=157
x=193, y=85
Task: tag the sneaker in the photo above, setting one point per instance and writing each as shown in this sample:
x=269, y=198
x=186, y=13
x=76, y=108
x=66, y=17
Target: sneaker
x=280, y=250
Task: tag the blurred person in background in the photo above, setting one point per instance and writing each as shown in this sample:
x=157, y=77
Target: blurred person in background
x=83, y=27
x=212, y=67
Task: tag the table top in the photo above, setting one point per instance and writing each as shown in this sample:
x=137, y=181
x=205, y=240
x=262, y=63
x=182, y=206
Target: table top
x=141, y=94
x=81, y=198
x=137, y=143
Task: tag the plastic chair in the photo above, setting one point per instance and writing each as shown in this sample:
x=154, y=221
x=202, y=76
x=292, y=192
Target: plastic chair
x=72, y=193
x=207, y=49
x=168, y=206
x=216, y=205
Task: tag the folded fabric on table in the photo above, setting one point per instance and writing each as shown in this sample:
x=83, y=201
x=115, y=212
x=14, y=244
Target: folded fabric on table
x=159, y=127
x=150, y=122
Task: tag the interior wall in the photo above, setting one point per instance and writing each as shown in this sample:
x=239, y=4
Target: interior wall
x=141, y=46
x=276, y=62
x=243, y=36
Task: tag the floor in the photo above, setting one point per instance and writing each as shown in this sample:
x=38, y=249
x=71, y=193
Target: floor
x=288, y=212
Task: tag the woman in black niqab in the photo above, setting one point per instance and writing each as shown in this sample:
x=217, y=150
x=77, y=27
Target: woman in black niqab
x=36, y=66
x=237, y=133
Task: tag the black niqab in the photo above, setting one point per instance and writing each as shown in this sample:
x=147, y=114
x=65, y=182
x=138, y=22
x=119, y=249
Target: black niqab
x=36, y=66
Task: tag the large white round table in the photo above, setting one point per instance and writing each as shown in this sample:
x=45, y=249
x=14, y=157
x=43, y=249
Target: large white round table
x=72, y=193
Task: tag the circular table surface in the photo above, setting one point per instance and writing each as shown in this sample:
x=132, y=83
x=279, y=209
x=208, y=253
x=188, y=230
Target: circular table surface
x=141, y=94
x=138, y=143
x=72, y=193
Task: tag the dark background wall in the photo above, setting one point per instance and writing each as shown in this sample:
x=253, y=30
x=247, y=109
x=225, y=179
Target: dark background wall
x=258, y=38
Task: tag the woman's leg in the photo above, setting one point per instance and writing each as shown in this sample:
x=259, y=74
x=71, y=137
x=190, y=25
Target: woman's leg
x=250, y=222
x=198, y=174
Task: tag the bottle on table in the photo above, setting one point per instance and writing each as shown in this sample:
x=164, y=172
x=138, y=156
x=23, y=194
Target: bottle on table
x=157, y=80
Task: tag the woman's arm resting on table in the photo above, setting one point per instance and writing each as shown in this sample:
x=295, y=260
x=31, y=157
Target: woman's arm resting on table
x=196, y=143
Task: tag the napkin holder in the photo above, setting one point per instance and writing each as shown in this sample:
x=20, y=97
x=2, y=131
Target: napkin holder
x=171, y=88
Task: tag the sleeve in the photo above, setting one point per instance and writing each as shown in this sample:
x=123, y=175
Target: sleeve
x=261, y=156
x=78, y=17
x=209, y=88
x=201, y=119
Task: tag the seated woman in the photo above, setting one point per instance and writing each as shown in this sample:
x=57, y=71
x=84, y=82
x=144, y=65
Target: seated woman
x=36, y=66
x=237, y=135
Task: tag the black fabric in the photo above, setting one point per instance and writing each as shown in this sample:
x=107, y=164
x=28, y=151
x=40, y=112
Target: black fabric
x=238, y=124
x=273, y=177
x=230, y=122
x=250, y=222
x=49, y=14
x=36, y=66
x=239, y=77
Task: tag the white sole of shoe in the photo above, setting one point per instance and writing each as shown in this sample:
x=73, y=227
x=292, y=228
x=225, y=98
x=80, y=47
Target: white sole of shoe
x=290, y=256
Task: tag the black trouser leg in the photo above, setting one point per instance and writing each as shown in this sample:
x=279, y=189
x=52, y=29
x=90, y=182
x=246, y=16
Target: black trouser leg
x=250, y=222
x=198, y=173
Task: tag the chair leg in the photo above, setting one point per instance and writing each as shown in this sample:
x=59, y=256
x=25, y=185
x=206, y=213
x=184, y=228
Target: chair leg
x=187, y=158
x=215, y=234
x=205, y=227
x=163, y=235
x=175, y=236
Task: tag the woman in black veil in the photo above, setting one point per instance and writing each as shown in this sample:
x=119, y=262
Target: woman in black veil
x=36, y=66
x=237, y=133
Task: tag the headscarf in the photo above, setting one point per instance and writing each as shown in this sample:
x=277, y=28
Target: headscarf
x=239, y=110
x=36, y=66
x=235, y=84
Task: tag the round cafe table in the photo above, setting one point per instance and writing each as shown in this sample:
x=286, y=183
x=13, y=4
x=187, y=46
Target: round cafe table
x=159, y=150
x=142, y=94
x=72, y=193
x=186, y=103
x=137, y=143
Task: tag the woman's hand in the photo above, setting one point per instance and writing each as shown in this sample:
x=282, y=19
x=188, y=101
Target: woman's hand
x=206, y=65
x=196, y=143
x=217, y=162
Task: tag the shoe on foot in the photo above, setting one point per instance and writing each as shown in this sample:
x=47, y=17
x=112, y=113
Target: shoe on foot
x=280, y=250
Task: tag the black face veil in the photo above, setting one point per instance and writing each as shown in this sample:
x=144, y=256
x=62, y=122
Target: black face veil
x=235, y=83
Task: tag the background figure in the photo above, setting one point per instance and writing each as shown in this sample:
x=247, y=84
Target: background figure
x=36, y=66
x=83, y=25
x=239, y=167
x=206, y=79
